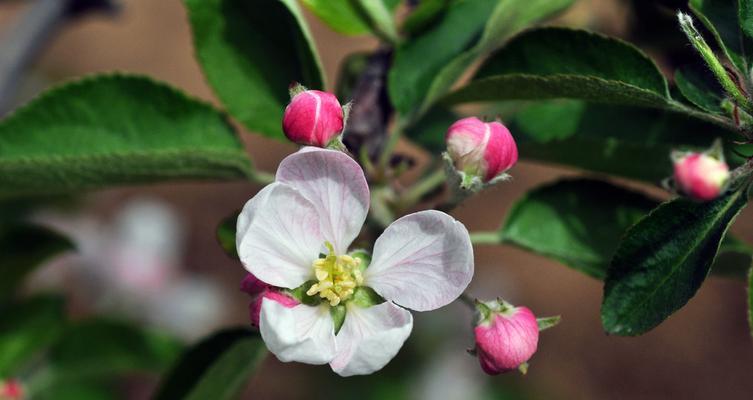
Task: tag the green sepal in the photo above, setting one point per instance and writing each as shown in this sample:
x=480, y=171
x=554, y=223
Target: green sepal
x=338, y=316
x=364, y=256
x=295, y=89
x=548, y=322
x=299, y=294
x=365, y=296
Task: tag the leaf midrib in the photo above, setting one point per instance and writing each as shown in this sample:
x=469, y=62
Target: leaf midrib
x=675, y=268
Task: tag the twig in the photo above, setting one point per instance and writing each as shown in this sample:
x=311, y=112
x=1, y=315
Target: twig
x=367, y=123
x=25, y=38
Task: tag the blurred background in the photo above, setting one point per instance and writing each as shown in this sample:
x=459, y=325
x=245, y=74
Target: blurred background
x=149, y=254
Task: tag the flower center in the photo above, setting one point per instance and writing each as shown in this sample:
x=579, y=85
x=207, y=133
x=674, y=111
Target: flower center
x=338, y=277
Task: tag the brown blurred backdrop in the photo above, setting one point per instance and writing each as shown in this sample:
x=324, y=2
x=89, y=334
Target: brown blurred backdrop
x=704, y=351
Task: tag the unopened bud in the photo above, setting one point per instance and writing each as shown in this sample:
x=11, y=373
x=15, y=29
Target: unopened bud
x=700, y=176
x=481, y=149
x=11, y=390
x=506, y=337
x=313, y=118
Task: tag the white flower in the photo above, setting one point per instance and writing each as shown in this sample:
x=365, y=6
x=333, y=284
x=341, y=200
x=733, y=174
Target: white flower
x=317, y=205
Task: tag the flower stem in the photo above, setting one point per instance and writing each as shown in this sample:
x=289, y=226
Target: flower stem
x=716, y=67
x=489, y=238
x=261, y=177
x=421, y=188
x=469, y=301
x=389, y=148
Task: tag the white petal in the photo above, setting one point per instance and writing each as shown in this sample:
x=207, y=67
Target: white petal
x=422, y=261
x=303, y=333
x=370, y=338
x=278, y=236
x=335, y=184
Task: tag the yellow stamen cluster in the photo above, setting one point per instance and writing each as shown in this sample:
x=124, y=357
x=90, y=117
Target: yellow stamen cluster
x=338, y=277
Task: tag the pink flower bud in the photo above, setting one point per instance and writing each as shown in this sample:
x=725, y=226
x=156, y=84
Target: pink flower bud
x=701, y=176
x=484, y=149
x=313, y=118
x=270, y=293
x=11, y=390
x=506, y=338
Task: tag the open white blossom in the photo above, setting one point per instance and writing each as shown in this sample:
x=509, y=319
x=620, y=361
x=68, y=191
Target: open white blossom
x=297, y=231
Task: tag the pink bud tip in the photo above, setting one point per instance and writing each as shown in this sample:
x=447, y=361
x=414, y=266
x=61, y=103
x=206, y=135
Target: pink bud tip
x=485, y=149
x=701, y=176
x=252, y=286
x=11, y=390
x=506, y=340
x=254, y=308
x=313, y=118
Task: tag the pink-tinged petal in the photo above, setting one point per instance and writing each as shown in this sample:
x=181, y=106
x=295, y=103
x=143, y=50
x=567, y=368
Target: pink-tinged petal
x=254, y=308
x=279, y=236
x=334, y=183
x=302, y=333
x=370, y=338
x=422, y=261
x=252, y=286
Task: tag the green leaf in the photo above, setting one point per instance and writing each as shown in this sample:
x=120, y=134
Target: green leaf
x=564, y=63
x=508, y=18
x=379, y=18
x=700, y=88
x=226, y=235
x=77, y=391
x=578, y=222
x=217, y=368
x=423, y=72
x=422, y=17
x=343, y=16
x=22, y=249
x=745, y=15
x=27, y=328
x=106, y=348
x=251, y=51
x=721, y=18
x=608, y=139
x=593, y=137
x=419, y=61
x=430, y=130
x=115, y=129
x=663, y=260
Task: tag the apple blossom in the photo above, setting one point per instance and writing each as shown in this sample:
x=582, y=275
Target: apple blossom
x=481, y=149
x=700, y=175
x=312, y=118
x=294, y=236
x=506, y=337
